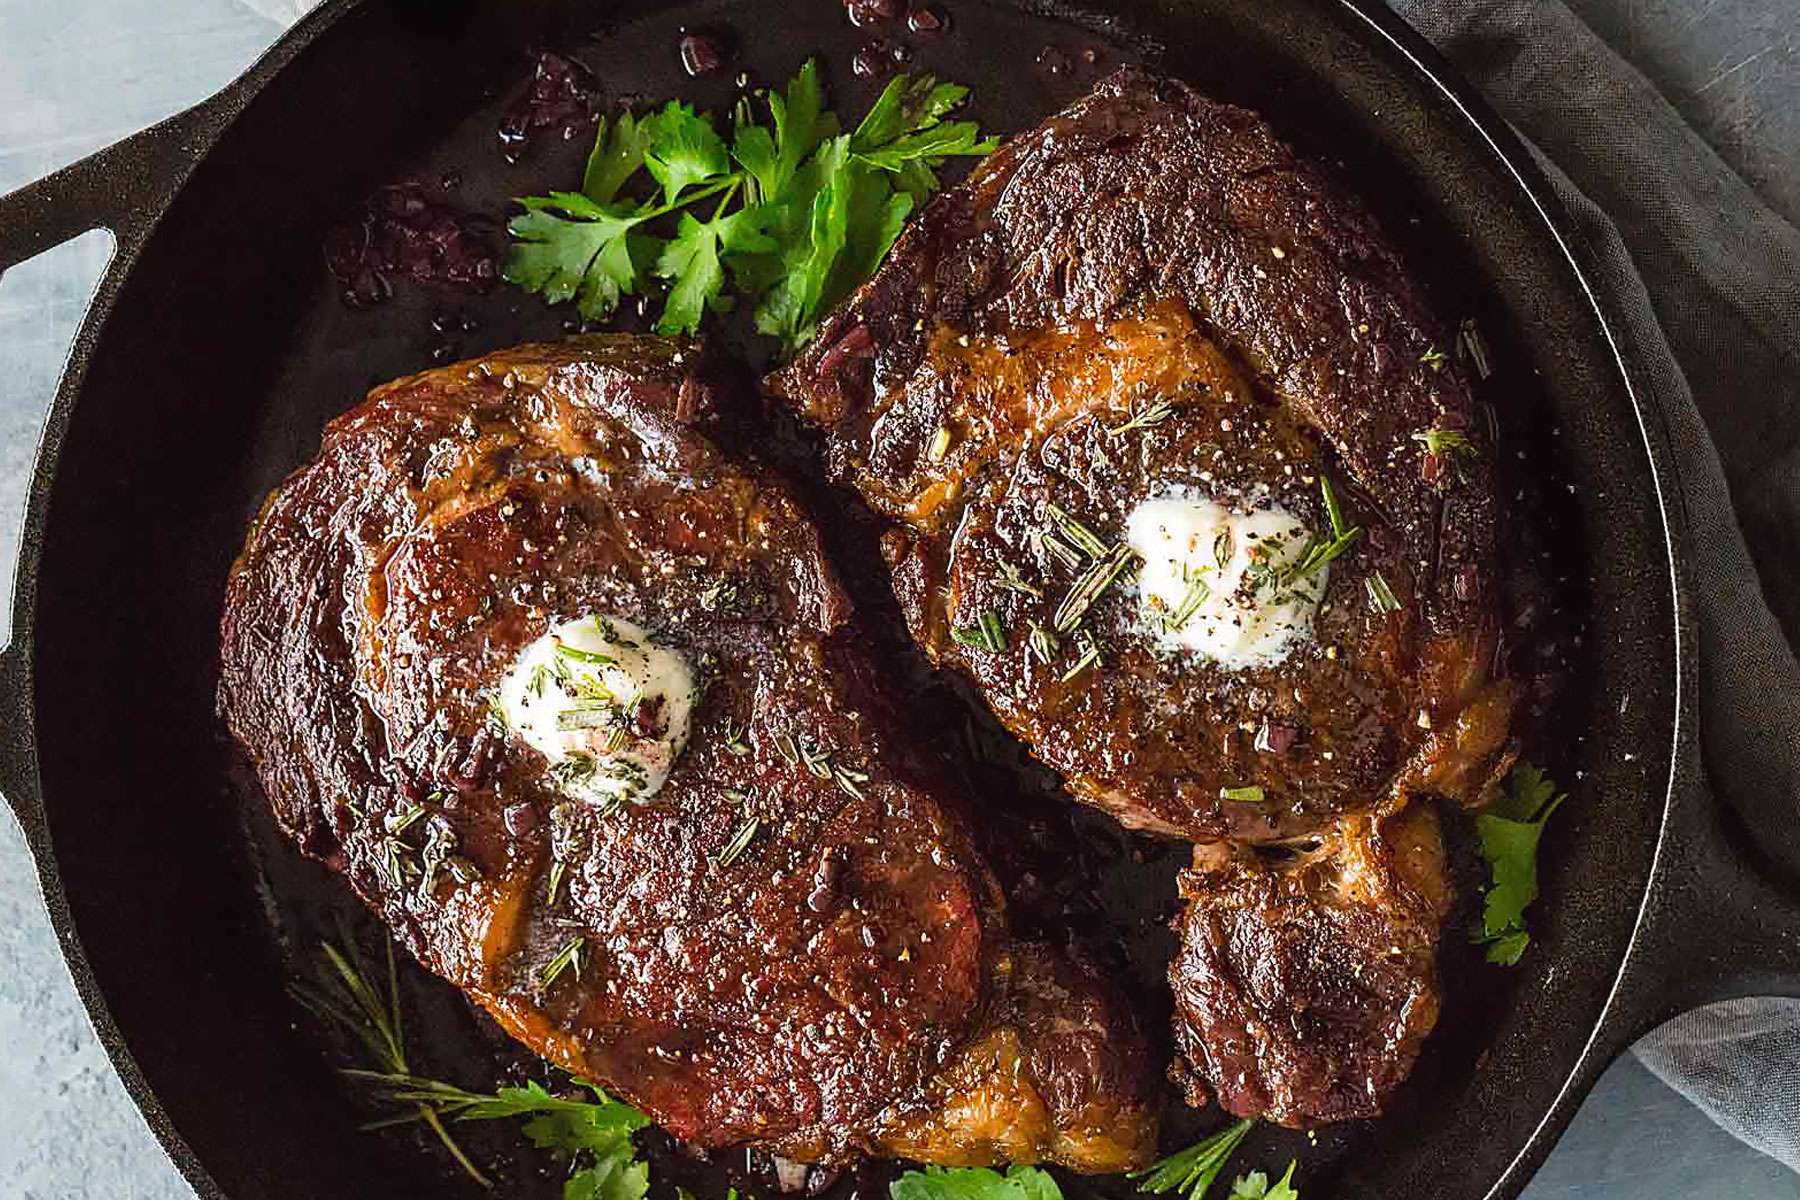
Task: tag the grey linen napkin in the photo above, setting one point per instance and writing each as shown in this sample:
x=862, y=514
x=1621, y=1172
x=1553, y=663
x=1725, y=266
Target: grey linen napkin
x=1711, y=280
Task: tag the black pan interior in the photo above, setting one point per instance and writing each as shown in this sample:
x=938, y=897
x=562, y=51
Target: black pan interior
x=229, y=348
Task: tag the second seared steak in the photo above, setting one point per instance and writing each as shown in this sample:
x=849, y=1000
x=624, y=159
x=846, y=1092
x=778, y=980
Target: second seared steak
x=1185, y=478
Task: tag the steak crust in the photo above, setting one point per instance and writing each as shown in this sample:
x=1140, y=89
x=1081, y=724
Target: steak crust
x=810, y=995
x=1151, y=295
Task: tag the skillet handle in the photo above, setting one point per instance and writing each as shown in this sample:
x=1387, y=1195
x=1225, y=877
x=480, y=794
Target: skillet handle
x=122, y=188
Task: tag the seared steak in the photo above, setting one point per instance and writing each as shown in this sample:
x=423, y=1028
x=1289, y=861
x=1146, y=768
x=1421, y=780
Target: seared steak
x=693, y=871
x=1186, y=479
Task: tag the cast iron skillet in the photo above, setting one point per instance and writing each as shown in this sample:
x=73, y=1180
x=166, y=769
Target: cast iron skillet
x=216, y=348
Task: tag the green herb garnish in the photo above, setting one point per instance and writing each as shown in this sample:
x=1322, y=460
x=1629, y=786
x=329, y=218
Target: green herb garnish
x=986, y=634
x=940, y=445
x=849, y=782
x=975, y=1183
x=1509, y=833
x=1076, y=532
x=1191, y=600
x=1041, y=642
x=1092, y=585
x=799, y=214
x=1089, y=646
x=1445, y=441
x=1250, y=794
x=344, y=998
x=1012, y=581
x=586, y=656
x=1154, y=412
x=567, y=958
x=1255, y=1186
x=740, y=841
x=1381, y=596
x=1191, y=1172
x=1433, y=358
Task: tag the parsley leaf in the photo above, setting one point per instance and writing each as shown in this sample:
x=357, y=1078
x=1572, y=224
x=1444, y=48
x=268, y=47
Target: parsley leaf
x=1255, y=1186
x=683, y=150
x=975, y=1183
x=903, y=132
x=617, y=155
x=1192, y=1171
x=1509, y=834
x=806, y=212
x=594, y=1134
x=584, y=253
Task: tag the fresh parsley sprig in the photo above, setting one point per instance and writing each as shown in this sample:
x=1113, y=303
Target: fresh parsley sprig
x=791, y=215
x=1509, y=832
x=975, y=1183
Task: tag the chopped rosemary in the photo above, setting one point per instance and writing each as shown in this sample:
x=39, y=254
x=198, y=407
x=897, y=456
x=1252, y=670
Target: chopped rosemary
x=1153, y=413
x=566, y=958
x=557, y=868
x=1076, y=532
x=785, y=744
x=615, y=741
x=940, y=445
x=586, y=656
x=440, y=840
x=718, y=594
x=1471, y=345
x=1248, y=795
x=578, y=768
x=406, y=820
x=740, y=841
x=1333, y=510
x=1222, y=548
x=539, y=675
x=1445, y=441
x=397, y=863
x=1090, y=655
x=497, y=715
x=1381, y=596
x=1041, y=642
x=589, y=714
x=1092, y=585
x=1055, y=547
x=734, y=739
x=1196, y=595
x=1012, y=581
x=1433, y=358
x=849, y=781
x=985, y=634
x=817, y=761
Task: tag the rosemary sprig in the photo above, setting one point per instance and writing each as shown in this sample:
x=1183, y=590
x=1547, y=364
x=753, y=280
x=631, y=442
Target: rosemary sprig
x=1055, y=547
x=1433, y=358
x=1250, y=794
x=344, y=998
x=1076, y=532
x=1041, y=642
x=849, y=782
x=1092, y=585
x=1191, y=600
x=816, y=759
x=1192, y=1171
x=734, y=738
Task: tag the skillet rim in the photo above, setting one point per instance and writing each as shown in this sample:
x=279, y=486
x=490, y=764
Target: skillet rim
x=176, y=147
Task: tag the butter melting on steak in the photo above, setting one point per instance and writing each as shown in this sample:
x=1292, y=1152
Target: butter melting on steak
x=1150, y=305
x=786, y=942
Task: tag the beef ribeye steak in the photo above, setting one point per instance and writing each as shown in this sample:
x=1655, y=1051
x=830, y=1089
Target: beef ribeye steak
x=568, y=695
x=1186, y=478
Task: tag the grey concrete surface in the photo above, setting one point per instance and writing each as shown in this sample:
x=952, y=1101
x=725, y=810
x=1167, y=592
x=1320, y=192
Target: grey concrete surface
x=77, y=74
